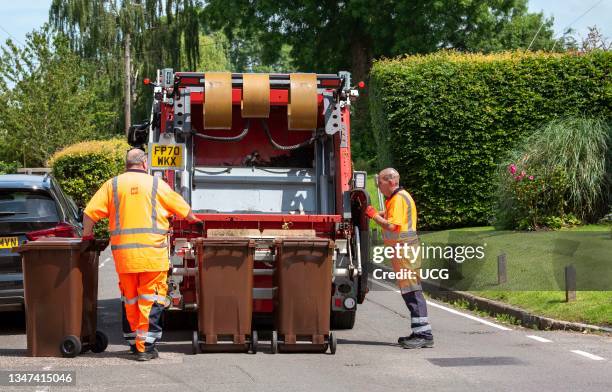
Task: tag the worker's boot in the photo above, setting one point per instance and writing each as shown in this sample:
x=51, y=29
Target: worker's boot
x=402, y=339
x=133, y=349
x=148, y=355
x=417, y=342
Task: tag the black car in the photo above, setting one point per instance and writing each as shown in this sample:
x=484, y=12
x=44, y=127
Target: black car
x=31, y=206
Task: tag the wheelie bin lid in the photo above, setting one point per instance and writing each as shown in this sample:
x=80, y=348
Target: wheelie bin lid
x=304, y=242
x=225, y=241
x=59, y=243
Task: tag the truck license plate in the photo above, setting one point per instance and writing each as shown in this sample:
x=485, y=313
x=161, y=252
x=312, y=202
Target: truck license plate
x=9, y=242
x=166, y=156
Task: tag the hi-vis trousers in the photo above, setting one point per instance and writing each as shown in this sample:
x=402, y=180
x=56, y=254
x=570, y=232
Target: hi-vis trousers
x=143, y=296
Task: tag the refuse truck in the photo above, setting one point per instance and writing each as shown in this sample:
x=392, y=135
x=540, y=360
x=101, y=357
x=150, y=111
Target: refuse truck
x=260, y=157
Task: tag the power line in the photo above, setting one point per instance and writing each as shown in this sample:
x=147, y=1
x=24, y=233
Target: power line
x=11, y=36
x=583, y=14
x=576, y=20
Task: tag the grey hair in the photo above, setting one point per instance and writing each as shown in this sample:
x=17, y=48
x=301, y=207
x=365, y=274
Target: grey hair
x=389, y=174
x=135, y=157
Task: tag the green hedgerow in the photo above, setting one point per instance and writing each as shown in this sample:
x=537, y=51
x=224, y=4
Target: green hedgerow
x=447, y=120
x=82, y=168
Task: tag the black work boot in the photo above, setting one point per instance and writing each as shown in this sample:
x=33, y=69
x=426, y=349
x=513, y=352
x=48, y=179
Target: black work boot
x=147, y=355
x=133, y=349
x=402, y=339
x=418, y=342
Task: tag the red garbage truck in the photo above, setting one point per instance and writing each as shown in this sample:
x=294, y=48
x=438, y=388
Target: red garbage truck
x=261, y=157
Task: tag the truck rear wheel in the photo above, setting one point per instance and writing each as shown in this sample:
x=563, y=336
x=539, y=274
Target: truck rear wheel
x=343, y=320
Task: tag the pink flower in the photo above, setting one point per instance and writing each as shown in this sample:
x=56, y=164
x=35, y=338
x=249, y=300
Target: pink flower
x=523, y=173
x=512, y=168
x=531, y=178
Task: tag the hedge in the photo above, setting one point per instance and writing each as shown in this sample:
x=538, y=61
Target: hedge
x=447, y=120
x=83, y=167
x=8, y=167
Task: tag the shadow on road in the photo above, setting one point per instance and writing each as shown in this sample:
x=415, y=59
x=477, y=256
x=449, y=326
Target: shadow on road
x=366, y=343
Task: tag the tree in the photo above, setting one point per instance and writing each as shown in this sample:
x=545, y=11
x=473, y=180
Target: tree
x=213, y=53
x=49, y=98
x=328, y=36
x=131, y=38
x=595, y=40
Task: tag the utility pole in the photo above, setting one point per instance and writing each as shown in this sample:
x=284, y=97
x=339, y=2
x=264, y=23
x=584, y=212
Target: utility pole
x=128, y=84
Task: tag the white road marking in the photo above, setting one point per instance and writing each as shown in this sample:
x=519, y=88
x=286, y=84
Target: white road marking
x=588, y=355
x=104, y=262
x=450, y=310
x=539, y=338
x=483, y=321
x=47, y=368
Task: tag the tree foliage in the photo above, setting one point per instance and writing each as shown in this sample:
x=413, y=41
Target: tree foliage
x=163, y=33
x=332, y=35
x=328, y=36
x=49, y=98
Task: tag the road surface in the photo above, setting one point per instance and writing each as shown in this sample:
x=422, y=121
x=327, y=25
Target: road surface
x=470, y=354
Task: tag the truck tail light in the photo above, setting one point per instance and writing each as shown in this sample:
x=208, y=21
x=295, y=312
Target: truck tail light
x=61, y=230
x=359, y=179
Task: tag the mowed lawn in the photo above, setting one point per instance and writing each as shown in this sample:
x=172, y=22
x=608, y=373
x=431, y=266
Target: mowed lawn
x=535, y=263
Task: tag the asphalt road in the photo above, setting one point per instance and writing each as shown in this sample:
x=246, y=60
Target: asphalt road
x=470, y=354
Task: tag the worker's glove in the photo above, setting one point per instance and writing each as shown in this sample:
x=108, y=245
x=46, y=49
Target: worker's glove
x=87, y=238
x=371, y=212
x=197, y=222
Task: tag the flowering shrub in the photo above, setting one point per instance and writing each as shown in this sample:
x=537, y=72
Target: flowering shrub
x=561, y=175
x=534, y=199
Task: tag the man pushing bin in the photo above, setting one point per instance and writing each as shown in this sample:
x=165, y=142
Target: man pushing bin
x=138, y=206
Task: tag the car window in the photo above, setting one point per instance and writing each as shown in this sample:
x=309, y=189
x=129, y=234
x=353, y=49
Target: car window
x=27, y=206
x=65, y=201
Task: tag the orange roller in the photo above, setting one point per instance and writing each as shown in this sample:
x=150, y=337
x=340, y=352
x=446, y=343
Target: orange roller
x=255, y=96
x=302, y=109
x=218, y=100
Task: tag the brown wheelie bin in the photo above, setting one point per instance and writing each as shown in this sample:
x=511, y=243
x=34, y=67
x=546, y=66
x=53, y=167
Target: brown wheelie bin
x=225, y=295
x=60, y=278
x=304, y=278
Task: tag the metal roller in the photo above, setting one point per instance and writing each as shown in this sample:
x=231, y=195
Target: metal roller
x=218, y=100
x=302, y=109
x=255, y=95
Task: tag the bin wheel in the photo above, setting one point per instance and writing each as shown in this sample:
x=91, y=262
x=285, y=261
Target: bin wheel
x=101, y=342
x=195, y=343
x=333, y=343
x=70, y=346
x=274, y=343
x=254, y=342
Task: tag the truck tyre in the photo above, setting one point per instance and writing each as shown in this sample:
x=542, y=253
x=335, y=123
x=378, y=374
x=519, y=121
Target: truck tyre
x=343, y=320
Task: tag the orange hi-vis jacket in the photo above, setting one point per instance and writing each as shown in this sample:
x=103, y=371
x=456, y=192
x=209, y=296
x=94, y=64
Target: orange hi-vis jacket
x=138, y=206
x=401, y=211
